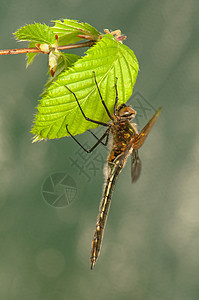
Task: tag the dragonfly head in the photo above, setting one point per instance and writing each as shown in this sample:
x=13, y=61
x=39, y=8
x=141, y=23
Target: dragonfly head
x=125, y=112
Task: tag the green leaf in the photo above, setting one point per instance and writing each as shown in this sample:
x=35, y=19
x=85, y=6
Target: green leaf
x=30, y=56
x=38, y=33
x=69, y=59
x=68, y=31
x=109, y=59
x=65, y=61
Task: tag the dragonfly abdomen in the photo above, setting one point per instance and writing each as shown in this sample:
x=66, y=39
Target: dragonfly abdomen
x=103, y=212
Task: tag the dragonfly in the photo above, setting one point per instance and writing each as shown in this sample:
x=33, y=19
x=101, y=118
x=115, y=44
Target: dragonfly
x=125, y=141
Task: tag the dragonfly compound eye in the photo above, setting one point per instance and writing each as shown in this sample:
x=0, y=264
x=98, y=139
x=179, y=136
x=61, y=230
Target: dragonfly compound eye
x=126, y=111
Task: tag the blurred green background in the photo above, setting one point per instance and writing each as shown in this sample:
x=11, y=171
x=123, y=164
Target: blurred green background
x=151, y=244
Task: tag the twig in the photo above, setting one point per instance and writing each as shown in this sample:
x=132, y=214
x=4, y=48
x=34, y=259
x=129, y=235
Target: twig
x=36, y=50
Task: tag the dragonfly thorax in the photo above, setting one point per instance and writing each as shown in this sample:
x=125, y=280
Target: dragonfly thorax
x=125, y=112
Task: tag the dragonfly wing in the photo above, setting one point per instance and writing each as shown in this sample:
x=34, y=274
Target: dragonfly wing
x=145, y=131
x=135, y=166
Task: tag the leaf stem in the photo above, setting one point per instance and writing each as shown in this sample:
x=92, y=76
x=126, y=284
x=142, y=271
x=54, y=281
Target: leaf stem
x=36, y=50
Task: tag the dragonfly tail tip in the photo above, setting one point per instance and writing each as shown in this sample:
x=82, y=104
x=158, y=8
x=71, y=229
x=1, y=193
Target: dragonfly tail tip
x=92, y=265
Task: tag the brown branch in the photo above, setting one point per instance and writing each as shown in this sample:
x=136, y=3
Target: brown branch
x=19, y=51
x=36, y=50
x=79, y=45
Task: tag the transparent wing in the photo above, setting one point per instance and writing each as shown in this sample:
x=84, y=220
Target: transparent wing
x=135, y=166
x=145, y=131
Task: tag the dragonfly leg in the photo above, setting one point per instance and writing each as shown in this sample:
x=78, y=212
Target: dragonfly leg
x=103, y=143
x=92, y=148
x=106, y=108
x=145, y=131
x=116, y=98
x=86, y=118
